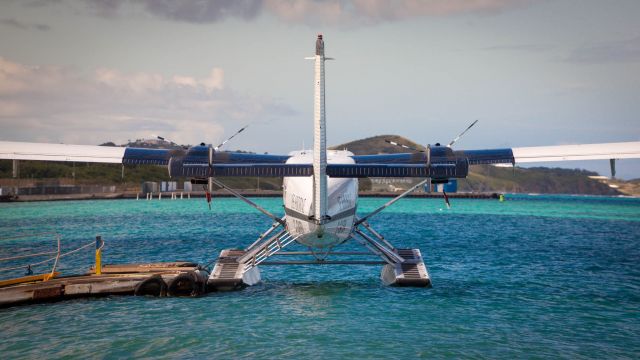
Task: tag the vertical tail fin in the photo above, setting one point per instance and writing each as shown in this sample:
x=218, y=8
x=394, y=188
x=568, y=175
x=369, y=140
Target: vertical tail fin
x=319, y=137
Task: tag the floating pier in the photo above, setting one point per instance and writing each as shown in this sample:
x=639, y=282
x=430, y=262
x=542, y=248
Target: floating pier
x=412, y=272
x=156, y=279
x=231, y=274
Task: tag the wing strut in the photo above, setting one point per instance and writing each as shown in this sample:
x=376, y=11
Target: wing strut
x=391, y=202
x=241, y=197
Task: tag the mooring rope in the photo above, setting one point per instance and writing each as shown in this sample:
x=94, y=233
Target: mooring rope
x=27, y=256
x=206, y=267
x=50, y=259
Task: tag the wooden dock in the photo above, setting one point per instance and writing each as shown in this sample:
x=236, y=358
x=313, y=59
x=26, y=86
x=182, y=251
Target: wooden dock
x=156, y=279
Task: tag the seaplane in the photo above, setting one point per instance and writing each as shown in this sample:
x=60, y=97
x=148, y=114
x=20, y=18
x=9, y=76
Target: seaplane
x=320, y=190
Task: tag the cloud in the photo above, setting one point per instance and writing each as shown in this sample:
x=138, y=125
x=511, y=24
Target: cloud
x=56, y=104
x=203, y=11
x=192, y=11
x=607, y=52
x=11, y=22
x=520, y=47
x=309, y=12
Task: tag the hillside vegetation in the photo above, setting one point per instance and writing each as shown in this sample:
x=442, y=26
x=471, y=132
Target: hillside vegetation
x=377, y=145
x=483, y=178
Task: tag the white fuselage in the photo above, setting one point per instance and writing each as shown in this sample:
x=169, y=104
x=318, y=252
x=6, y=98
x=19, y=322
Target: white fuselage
x=342, y=196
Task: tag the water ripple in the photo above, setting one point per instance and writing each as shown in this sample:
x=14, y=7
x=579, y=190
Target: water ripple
x=534, y=277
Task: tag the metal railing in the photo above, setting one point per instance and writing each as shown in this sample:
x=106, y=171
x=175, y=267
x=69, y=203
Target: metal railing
x=269, y=248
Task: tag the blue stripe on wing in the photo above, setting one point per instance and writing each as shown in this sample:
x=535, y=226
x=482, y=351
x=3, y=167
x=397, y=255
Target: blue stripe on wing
x=457, y=169
x=264, y=170
x=488, y=156
x=194, y=162
x=440, y=154
x=138, y=156
x=403, y=158
x=196, y=154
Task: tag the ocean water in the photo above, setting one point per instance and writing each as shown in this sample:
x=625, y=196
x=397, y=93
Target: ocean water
x=534, y=277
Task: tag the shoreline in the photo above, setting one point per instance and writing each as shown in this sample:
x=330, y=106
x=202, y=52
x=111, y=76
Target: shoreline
x=224, y=194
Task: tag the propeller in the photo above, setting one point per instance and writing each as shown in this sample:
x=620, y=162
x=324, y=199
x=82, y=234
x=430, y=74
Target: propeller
x=161, y=138
x=462, y=133
x=229, y=138
x=169, y=141
x=446, y=199
x=207, y=195
x=437, y=144
x=209, y=187
x=449, y=145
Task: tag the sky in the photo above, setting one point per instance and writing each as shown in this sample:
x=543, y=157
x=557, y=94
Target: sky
x=547, y=72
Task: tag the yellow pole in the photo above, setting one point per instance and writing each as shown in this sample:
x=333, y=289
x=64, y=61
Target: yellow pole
x=55, y=264
x=99, y=255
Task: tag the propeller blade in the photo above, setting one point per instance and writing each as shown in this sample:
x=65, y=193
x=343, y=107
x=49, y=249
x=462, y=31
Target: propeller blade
x=462, y=133
x=446, y=199
x=162, y=138
x=207, y=195
x=232, y=136
x=403, y=145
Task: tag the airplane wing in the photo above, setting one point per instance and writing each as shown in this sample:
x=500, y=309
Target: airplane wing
x=621, y=150
x=509, y=156
x=60, y=152
x=192, y=162
x=447, y=163
x=442, y=162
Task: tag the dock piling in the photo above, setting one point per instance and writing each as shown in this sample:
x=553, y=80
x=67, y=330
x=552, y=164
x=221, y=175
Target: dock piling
x=99, y=245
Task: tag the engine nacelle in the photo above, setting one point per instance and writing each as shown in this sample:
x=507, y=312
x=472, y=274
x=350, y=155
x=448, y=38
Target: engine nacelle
x=441, y=172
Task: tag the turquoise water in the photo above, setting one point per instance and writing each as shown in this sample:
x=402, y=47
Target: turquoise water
x=535, y=276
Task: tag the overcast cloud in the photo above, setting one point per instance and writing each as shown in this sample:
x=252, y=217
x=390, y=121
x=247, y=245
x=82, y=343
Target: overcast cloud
x=11, y=22
x=110, y=105
x=622, y=51
x=309, y=12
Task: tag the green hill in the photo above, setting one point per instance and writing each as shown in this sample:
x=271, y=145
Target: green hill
x=539, y=180
x=377, y=145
